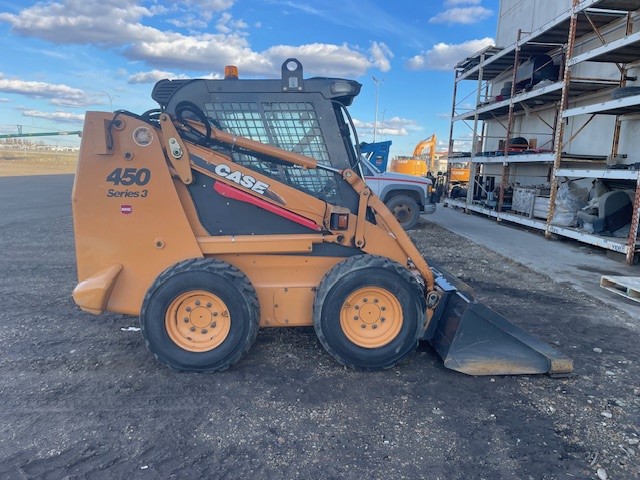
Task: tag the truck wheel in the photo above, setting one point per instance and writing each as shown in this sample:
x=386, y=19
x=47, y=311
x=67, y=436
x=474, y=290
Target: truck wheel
x=369, y=312
x=200, y=315
x=405, y=209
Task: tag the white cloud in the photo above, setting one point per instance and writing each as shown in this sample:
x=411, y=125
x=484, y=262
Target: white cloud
x=82, y=22
x=394, y=122
x=206, y=5
x=192, y=14
x=187, y=21
x=77, y=21
x=203, y=8
x=395, y=127
x=444, y=56
x=226, y=24
x=212, y=76
x=71, y=102
x=455, y=3
x=199, y=52
x=157, y=75
x=461, y=145
x=66, y=117
x=380, y=55
x=4, y=100
x=153, y=76
x=58, y=94
x=462, y=15
x=322, y=59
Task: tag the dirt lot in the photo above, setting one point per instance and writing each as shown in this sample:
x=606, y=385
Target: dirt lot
x=28, y=162
x=82, y=398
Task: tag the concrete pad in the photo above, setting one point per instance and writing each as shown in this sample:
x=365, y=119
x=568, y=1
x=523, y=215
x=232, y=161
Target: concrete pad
x=568, y=261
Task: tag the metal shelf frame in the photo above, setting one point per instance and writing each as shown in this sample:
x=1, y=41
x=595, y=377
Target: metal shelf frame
x=610, y=243
x=610, y=174
x=623, y=50
x=522, y=158
x=618, y=106
x=540, y=40
x=583, y=21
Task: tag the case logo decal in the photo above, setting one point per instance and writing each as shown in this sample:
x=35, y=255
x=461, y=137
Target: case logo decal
x=241, y=179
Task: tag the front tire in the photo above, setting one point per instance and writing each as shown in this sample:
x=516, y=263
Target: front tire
x=200, y=315
x=405, y=209
x=369, y=312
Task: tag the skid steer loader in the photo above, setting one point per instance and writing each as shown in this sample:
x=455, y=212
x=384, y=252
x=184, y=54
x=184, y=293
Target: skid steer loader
x=240, y=204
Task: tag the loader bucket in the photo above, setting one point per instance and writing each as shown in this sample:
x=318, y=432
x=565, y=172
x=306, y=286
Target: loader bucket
x=473, y=339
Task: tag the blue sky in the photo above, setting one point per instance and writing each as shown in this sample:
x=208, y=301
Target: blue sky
x=62, y=58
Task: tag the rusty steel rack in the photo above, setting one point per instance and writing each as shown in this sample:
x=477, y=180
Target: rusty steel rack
x=568, y=97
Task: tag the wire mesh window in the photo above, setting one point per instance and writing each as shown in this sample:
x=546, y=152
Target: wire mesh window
x=292, y=126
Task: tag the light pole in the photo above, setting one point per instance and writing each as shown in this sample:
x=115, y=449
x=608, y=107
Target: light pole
x=111, y=97
x=375, y=122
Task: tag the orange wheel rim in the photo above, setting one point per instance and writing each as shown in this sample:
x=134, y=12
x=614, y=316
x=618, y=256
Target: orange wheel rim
x=197, y=321
x=371, y=317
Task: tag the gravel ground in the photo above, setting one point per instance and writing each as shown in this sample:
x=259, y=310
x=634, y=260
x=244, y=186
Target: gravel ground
x=82, y=398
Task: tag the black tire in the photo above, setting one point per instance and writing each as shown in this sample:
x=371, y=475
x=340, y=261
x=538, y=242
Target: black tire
x=405, y=209
x=458, y=192
x=353, y=280
x=229, y=304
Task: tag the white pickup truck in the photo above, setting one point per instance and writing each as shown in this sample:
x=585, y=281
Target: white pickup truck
x=405, y=195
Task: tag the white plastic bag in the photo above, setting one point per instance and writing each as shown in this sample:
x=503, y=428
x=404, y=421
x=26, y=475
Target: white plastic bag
x=571, y=197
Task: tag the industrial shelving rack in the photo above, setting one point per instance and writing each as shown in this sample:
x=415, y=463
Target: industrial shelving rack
x=557, y=38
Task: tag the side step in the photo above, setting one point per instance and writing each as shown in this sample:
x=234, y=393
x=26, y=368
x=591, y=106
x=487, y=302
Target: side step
x=473, y=339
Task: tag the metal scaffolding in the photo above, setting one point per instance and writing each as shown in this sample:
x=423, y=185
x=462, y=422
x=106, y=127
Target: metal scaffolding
x=585, y=19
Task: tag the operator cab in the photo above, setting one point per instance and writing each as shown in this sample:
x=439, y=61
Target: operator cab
x=306, y=116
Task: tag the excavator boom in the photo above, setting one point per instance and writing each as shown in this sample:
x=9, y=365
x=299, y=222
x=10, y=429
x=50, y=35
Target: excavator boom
x=416, y=165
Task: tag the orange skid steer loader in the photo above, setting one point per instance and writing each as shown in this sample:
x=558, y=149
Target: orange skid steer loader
x=240, y=204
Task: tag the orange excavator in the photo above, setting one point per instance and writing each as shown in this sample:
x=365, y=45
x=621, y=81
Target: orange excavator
x=415, y=165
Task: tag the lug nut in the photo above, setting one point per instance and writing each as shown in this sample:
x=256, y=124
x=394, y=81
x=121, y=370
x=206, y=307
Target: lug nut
x=357, y=307
x=185, y=319
x=193, y=329
x=203, y=331
x=197, y=303
x=188, y=309
x=375, y=300
x=374, y=326
x=215, y=314
x=356, y=317
x=365, y=300
x=213, y=324
x=208, y=304
x=382, y=319
x=383, y=308
x=363, y=326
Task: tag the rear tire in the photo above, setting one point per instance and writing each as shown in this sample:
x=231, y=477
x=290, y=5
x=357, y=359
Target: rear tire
x=405, y=209
x=200, y=315
x=369, y=312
